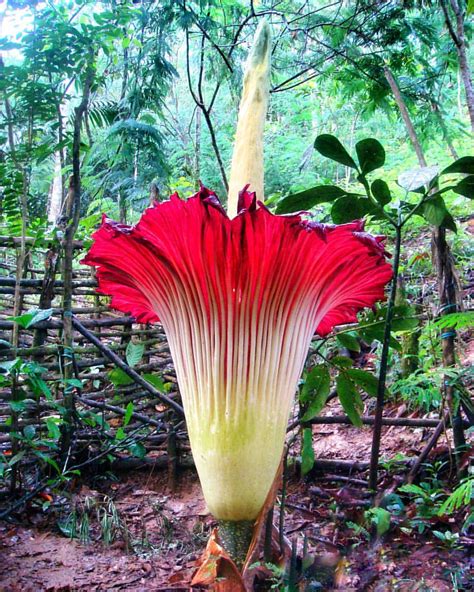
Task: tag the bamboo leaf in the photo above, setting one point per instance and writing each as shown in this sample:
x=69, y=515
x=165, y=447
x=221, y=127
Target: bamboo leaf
x=128, y=413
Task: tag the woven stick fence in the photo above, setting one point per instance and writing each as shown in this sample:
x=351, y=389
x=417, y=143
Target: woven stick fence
x=91, y=411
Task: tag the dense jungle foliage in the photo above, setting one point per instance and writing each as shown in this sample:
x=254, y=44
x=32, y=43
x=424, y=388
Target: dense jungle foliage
x=108, y=106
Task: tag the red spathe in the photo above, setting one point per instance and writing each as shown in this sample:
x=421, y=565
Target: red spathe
x=192, y=247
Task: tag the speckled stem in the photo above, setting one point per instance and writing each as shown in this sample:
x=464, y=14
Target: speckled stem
x=235, y=537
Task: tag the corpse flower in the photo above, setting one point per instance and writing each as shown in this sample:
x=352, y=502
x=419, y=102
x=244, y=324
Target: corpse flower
x=240, y=300
x=240, y=296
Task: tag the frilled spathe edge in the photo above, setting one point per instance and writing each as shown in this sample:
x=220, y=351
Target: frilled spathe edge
x=192, y=245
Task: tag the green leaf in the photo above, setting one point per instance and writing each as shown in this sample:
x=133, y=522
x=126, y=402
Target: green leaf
x=156, y=381
x=120, y=434
x=365, y=380
x=330, y=147
x=350, y=207
x=32, y=317
x=404, y=319
x=348, y=341
x=134, y=353
x=10, y=366
x=305, y=200
x=75, y=382
x=137, y=449
x=47, y=459
x=381, y=192
x=29, y=432
x=416, y=179
x=16, y=458
x=415, y=489
x=381, y=518
x=434, y=211
x=371, y=155
x=462, y=165
x=53, y=430
x=456, y=320
x=18, y=406
x=118, y=377
x=349, y=398
x=342, y=361
x=315, y=391
x=128, y=413
x=465, y=187
x=449, y=223
x=307, y=451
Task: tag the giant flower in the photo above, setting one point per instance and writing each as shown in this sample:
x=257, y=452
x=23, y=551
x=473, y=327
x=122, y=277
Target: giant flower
x=240, y=300
x=240, y=296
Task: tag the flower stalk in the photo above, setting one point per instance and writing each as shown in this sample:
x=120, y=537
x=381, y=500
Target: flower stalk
x=247, y=160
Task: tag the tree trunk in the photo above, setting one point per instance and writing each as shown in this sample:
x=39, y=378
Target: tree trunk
x=457, y=34
x=448, y=286
x=405, y=116
x=72, y=216
x=448, y=290
x=56, y=198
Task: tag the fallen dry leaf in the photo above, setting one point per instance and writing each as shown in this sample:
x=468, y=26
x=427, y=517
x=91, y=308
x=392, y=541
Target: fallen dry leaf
x=216, y=564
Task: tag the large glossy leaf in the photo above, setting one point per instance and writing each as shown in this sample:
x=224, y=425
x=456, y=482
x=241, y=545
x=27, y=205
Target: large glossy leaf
x=371, y=155
x=350, y=207
x=381, y=192
x=331, y=147
x=434, y=211
x=462, y=165
x=305, y=200
x=350, y=398
x=465, y=187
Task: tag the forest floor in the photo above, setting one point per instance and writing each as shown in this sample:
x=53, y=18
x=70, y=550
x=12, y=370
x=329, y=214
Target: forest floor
x=156, y=536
